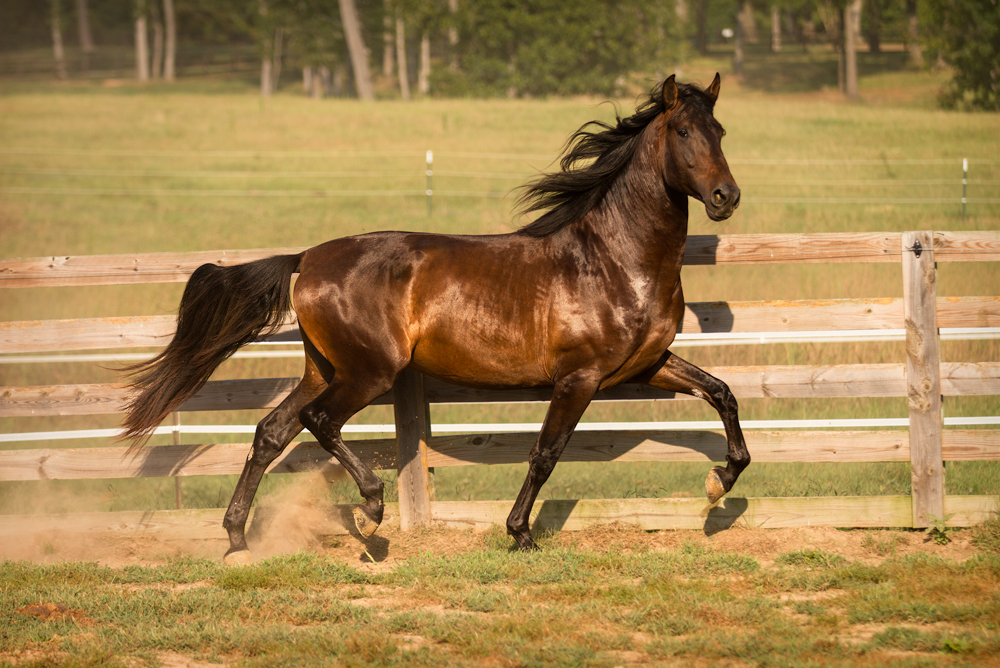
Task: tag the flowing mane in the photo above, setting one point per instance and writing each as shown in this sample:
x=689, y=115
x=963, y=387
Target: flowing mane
x=569, y=194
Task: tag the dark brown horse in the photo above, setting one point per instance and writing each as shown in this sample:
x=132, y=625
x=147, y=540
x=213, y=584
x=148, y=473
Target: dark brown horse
x=584, y=298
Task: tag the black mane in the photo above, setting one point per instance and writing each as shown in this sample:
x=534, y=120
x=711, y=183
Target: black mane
x=570, y=193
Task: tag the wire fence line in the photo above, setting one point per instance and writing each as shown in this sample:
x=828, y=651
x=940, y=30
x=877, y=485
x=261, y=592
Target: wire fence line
x=404, y=176
x=466, y=154
x=307, y=192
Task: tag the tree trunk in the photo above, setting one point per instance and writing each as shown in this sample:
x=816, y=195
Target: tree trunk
x=874, y=35
x=141, y=44
x=57, y=43
x=265, y=76
x=83, y=23
x=453, y=35
x=913, y=34
x=170, y=56
x=852, y=15
x=749, y=23
x=156, y=69
x=775, y=29
x=356, y=47
x=404, y=72
x=279, y=34
x=738, y=50
x=701, y=17
x=424, y=80
x=388, y=38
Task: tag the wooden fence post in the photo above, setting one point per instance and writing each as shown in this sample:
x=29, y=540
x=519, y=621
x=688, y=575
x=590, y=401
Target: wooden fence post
x=411, y=442
x=923, y=376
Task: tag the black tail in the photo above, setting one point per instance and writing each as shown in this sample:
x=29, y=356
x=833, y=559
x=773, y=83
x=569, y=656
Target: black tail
x=223, y=309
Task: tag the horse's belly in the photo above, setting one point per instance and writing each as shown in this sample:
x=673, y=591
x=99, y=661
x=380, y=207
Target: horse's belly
x=468, y=356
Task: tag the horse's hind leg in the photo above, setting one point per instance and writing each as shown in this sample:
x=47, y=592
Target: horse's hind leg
x=325, y=417
x=274, y=432
x=677, y=375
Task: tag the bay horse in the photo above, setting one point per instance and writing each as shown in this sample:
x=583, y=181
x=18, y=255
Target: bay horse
x=584, y=298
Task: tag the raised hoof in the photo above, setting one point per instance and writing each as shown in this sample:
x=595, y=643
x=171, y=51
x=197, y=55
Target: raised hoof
x=714, y=488
x=238, y=558
x=365, y=524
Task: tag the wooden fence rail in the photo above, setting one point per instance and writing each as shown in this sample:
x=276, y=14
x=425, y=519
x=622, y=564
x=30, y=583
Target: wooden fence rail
x=921, y=377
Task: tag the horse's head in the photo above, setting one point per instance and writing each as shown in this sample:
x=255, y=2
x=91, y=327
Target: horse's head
x=693, y=159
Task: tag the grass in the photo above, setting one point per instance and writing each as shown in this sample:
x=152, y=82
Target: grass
x=173, y=144
x=621, y=603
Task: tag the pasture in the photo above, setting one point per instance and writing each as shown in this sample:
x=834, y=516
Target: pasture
x=88, y=169
x=92, y=169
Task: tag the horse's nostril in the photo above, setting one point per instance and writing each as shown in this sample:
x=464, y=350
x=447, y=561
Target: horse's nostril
x=718, y=197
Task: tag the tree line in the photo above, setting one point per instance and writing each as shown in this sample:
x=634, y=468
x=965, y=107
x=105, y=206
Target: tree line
x=514, y=47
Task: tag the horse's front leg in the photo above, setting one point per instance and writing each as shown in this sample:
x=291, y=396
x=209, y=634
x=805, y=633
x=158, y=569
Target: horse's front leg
x=570, y=399
x=677, y=375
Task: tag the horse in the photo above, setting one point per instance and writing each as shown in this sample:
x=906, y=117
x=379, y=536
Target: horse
x=585, y=297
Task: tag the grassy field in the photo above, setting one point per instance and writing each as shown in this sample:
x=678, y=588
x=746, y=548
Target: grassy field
x=117, y=168
x=609, y=597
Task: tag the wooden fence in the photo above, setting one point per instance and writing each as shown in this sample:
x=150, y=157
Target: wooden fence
x=921, y=377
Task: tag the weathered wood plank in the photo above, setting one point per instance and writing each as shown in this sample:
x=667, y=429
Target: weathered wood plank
x=410, y=409
x=95, y=333
x=464, y=450
x=120, y=269
x=693, y=514
x=851, y=380
x=968, y=511
x=175, y=460
x=649, y=514
x=923, y=376
x=701, y=250
x=675, y=446
x=468, y=449
x=699, y=317
x=792, y=248
x=167, y=525
x=970, y=445
x=967, y=246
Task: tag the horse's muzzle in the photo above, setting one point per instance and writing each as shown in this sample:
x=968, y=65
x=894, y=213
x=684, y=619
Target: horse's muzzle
x=724, y=201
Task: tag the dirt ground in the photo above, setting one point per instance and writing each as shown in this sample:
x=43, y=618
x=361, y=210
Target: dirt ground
x=390, y=546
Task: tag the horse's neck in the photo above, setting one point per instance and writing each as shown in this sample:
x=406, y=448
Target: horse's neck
x=642, y=220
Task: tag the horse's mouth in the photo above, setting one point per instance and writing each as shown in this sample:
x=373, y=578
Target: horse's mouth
x=720, y=213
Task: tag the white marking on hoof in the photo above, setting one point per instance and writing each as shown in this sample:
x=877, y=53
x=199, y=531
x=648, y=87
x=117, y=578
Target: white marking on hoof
x=241, y=558
x=366, y=527
x=714, y=488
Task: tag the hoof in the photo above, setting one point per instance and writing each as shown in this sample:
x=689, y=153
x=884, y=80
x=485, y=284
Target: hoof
x=365, y=524
x=714, y=488
x=238, y=558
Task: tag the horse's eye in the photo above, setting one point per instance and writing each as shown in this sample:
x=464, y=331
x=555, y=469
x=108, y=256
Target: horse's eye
x=683, y=133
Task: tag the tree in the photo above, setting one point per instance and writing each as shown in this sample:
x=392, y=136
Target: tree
x=83, y=25
x=356, y=47
x=170, y=54
x=141, y=44
x=967, y=37
x=913, y=34
x=852, y=21
x=57, y=42
x=553, y=47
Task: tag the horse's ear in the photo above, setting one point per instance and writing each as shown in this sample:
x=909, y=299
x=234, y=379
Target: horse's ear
x=670, y=93
x=713, y=90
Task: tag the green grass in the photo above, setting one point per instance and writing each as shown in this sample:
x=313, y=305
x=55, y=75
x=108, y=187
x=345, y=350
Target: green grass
x=566, y=605
x=211, y=134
